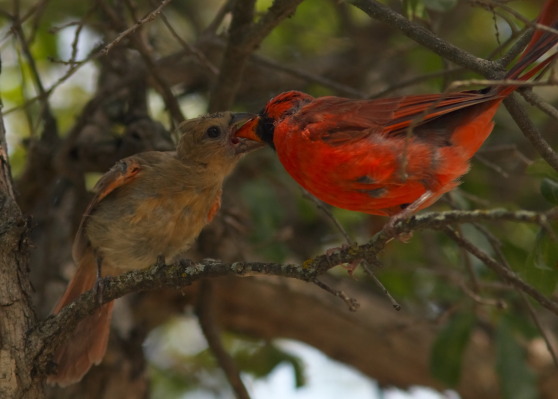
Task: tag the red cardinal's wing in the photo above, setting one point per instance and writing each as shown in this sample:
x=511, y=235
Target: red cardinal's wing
x=339, y=121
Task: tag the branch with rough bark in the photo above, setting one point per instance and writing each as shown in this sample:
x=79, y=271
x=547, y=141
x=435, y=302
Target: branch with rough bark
x=48, y=334
x=16, y=311
x=244, y=37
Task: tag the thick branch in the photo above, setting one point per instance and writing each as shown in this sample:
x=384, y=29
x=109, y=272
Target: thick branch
x=16, y=314
x=427, y=38
x=54, y=329
x=243, y=40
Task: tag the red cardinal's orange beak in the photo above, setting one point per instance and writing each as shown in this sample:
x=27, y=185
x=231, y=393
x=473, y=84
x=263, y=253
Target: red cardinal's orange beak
x=248, y=130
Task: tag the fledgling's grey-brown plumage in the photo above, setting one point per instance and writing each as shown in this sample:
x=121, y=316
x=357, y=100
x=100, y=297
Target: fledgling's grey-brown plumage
x=148, y=205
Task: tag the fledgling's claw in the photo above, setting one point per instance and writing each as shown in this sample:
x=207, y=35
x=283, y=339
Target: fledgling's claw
x=98, y=289
x=160, y=262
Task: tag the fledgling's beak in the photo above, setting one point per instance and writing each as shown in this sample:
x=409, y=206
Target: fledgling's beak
x=245, y=144
x=248, y=130
x=239, y=118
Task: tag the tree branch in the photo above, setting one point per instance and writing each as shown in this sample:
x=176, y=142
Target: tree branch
x=48, y=334
x=16, y=313
x=530, y=131
x=148, y=18
x=502, y=271
x=428, y=39
x=243, y=40
x=210, y=329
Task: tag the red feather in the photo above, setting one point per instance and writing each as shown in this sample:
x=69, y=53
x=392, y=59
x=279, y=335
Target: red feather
x=380, y=156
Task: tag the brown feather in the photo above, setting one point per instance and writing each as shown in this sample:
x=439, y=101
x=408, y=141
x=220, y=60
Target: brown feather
x=148, y=205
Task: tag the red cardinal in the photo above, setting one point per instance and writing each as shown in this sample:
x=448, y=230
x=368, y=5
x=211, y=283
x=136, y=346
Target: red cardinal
x=385, y=155
x=148, y=205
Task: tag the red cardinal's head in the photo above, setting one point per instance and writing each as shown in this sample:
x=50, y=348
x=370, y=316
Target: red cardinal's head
x=262, y=127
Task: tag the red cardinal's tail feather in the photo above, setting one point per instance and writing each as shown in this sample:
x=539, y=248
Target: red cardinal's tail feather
x=88, y=342
x=547, y=17
x=541, y=42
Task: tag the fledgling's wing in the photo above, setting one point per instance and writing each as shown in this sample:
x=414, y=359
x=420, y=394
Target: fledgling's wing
x=122, y=173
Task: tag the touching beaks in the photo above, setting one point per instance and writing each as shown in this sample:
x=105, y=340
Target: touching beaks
x=243, y=143
x=244, y=132
x=248, y=130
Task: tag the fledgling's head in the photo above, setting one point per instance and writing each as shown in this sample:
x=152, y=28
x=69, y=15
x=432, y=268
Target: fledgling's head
x=262, y=127
x=211, y=140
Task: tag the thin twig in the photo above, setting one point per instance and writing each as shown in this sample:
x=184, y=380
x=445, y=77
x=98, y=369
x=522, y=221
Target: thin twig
x=382, y=287
x=502, y=271
x=245, y=35
x=491, y=165
x=519, y=16
x=520, y=117
x=534, y=99
x=148, y=18
x=459, y=84
x=413, y=81
x=540, y=327
x=205, y=311
x=499, y=303
x=161, y=85
x=425, y=37
x=326, y=211
x=512, y=148
x=367, y=268
x=211, y=29
x=496, y=245
x=308, y=76
x=36, y=12
x=469, y=267
x=351, y=302
x=49, y=129
x=189, y=48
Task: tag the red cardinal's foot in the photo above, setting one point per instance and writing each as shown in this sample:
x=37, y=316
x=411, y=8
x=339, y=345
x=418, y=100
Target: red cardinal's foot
x=350, y=267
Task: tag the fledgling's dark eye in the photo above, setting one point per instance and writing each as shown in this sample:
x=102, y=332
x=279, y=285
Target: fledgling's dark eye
x=213, y=132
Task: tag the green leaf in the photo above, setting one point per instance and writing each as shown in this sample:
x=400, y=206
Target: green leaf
x=549, y=190
x=414, y=9
x=261, y=199
x=91, y=179
x=263, y=360
x=517, y=380
x=447, y=351
x=541, y=268
x=540, y=168
x=45, y=45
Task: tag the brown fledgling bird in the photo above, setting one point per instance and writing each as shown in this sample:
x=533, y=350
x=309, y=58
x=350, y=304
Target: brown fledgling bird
x=148, y=205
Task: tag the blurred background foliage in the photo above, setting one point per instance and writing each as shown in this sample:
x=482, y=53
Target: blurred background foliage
x=324, y=48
